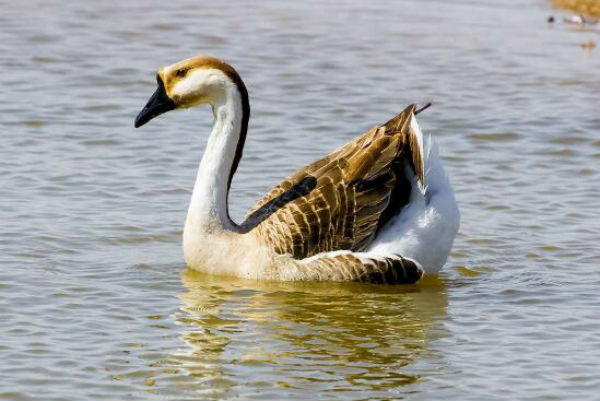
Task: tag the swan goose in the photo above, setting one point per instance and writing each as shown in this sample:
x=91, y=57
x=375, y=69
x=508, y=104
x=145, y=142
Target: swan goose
x=379, y=209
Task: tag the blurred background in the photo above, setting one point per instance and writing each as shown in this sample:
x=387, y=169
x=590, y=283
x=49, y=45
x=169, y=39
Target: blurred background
x=95, y=301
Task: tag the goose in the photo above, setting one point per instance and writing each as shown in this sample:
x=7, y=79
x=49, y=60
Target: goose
x=380, y=209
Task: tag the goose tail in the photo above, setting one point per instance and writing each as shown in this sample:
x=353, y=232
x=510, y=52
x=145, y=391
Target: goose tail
x=415, y=142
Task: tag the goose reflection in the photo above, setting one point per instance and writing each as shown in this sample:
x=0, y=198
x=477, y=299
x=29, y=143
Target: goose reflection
x=265, y=336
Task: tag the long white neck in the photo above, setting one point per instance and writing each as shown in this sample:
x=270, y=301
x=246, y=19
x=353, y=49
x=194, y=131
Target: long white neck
x=208, y=210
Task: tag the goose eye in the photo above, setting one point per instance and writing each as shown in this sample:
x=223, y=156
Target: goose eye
x=181, y=73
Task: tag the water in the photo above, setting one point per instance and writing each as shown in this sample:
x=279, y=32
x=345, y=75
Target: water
x=95, y=301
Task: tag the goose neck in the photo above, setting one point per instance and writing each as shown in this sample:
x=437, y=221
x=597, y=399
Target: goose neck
x=209, y=204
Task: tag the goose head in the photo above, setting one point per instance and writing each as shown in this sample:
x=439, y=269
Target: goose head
x=192, y=82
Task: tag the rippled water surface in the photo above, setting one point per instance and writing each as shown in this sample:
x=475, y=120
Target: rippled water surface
x=95, y=301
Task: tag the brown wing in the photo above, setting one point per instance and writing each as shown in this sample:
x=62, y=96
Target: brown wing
x=340, y=201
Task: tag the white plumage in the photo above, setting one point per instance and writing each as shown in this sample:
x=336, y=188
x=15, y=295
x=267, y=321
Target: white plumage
x=426, y=227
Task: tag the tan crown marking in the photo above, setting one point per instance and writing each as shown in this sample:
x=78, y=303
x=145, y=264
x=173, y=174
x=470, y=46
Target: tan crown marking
x=170, y=78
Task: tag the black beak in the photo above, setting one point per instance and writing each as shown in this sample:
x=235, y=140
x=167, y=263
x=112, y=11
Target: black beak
x=158, y=104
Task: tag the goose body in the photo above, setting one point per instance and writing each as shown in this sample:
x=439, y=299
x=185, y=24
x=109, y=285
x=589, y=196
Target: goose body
x=378, y=209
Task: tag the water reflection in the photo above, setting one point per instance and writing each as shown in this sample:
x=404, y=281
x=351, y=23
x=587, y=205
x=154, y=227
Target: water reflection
x=324, y=337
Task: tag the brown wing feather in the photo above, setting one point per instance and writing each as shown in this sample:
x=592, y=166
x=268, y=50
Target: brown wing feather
x=353, y=190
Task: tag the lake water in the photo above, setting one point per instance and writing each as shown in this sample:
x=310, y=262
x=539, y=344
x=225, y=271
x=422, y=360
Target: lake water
x=95, y=300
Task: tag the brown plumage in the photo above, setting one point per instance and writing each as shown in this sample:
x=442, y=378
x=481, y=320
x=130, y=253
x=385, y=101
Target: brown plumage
x=349, y=266
x=359, y=187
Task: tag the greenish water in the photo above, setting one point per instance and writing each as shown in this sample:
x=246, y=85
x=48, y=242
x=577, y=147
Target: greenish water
x=95, y=301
